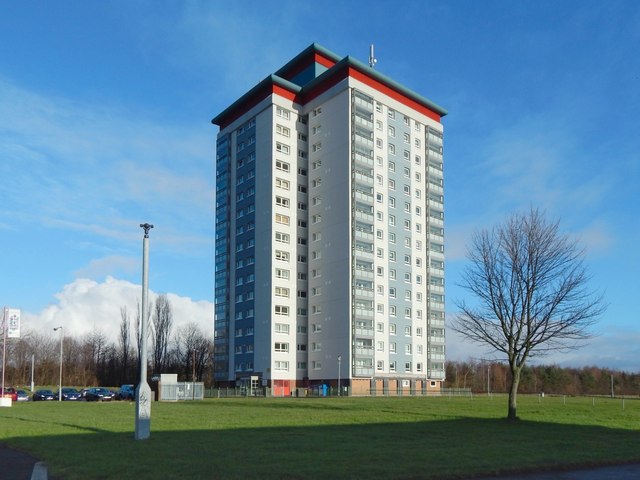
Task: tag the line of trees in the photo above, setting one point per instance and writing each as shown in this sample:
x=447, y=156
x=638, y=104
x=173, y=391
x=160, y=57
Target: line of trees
x=550, y=379
x=93, y=360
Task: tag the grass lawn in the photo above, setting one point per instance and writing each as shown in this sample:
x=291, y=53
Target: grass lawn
x=372, y=438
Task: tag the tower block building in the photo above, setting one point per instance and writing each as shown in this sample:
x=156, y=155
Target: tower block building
x=329, y=233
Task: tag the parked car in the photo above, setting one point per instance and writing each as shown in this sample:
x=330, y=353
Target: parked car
x=69, y=394
x=98, y=394
x=126, y=392
x=9, y=392
x=23, y=396
x=43, y=395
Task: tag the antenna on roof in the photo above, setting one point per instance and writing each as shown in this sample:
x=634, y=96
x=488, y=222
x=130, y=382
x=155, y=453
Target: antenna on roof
x=372, y=59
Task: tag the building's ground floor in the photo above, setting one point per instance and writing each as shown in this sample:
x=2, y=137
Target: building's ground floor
x=375, y=386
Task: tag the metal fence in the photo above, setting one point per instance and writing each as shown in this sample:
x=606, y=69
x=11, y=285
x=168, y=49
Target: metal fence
x=173, y=392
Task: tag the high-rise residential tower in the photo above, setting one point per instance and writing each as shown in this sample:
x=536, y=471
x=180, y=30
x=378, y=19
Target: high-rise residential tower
x=329, y=261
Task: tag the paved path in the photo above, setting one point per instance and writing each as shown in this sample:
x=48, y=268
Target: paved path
x=16, y=465
x=614, y=472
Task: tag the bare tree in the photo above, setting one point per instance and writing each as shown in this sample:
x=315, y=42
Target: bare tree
x=162, y=322
x=192, y=350
x=531, y=285
x=124, y=339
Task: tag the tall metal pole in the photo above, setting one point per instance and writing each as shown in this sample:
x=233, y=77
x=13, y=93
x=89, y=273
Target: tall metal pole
x=4, y=344
x=339, y=360
x=61, y=338
x=33, y=361
x=143, y=393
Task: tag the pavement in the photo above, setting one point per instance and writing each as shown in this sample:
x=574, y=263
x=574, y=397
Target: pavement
x=629, y=471
x=18, y=465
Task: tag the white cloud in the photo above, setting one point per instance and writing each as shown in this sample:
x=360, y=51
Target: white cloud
x=86, y=305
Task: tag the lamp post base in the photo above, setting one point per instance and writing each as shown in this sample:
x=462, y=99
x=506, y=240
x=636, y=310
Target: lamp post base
x=143, y=411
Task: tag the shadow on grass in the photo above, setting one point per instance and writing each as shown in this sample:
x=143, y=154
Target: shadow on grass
x=458, y=448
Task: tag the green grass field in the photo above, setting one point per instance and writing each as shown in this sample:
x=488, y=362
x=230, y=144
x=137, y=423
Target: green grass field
x=372, y=438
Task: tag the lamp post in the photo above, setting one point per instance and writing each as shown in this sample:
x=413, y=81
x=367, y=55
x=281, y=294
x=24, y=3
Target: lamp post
x=61, y=338
x=143, y=392
x=32, y=365
x=339, y=360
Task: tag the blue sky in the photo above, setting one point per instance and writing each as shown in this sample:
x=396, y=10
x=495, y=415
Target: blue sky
x=105, y=112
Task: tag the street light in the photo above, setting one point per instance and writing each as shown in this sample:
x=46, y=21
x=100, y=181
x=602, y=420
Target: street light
x=143, y=392
x=339, y=360
x=61, y=338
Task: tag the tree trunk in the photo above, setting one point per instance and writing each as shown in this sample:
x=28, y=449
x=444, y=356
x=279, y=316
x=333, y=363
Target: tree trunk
x=513, y=393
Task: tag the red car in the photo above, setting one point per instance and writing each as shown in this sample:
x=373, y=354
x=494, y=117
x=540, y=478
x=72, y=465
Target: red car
x=9, y=392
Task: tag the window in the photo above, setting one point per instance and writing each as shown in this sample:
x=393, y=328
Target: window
x=407, y=331
x=284, y=131
x=392, y=256
x=316, y=182
x=392, y=149
x=282, y=202
x=281, y=112
x=301, y=347
x=317, y=111
x=378, y=125
x=281, y=347
x=282, y=310
x=282, y=148
x=316, y=365
x=302, y=171
x=392, y=313
x=316, y=146
x=392, y=202
x=392, y=184
x=406, y=138
x=282, y=237
x=281, y=365
x=380, y=365
x=391, y=113
x=317, y=129
x=392, y=132
x=282, y=219
x=283, y=184
x=316, y=346
x=317, y=164
x=281, y=328
x=392, y=292
x=282, y=292
x=380, y=346
x=316, y=218
x=282, y=166
x=392, y=166
x=282, y=273
x=392, y=347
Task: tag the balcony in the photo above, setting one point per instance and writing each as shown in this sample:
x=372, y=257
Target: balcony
x=364, y=332
x=364, y=292
x=363, y=371
x=364, y=351
x=364, y=177
x=436, y=340
x=364, y=215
